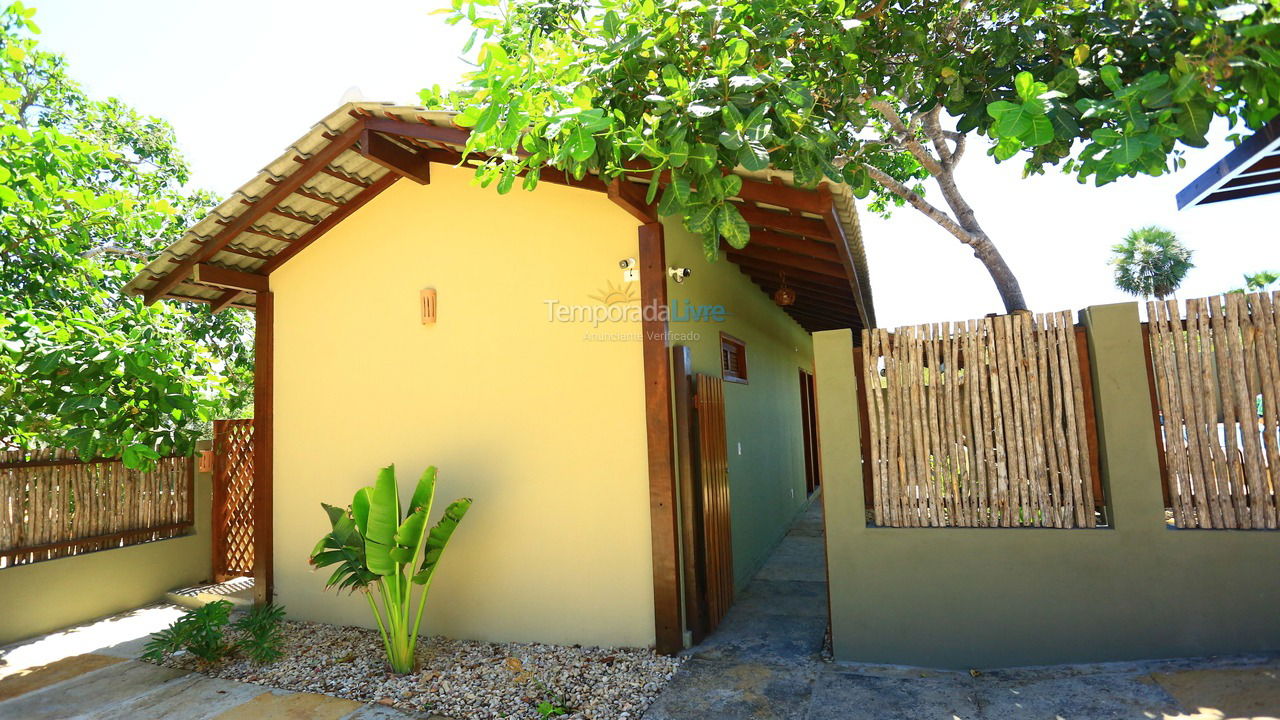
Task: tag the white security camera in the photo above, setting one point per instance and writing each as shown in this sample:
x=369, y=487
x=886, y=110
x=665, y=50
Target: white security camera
x=679, y=273
x=627, y=263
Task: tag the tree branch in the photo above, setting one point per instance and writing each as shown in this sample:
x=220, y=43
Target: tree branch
x=919, y=203
x=908, y=133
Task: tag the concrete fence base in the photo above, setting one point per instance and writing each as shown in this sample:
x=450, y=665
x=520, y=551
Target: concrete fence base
x=1001, y=597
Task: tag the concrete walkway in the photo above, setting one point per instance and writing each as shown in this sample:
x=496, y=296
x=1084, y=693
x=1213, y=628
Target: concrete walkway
x=90, y=671
x=765, y=661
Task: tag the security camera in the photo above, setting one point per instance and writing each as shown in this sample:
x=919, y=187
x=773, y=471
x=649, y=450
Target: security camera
x=679, y=273
x=627, y=263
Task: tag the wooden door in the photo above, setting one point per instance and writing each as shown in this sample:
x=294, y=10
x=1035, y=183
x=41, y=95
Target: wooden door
x=713, y=491
x=809, y=427
x=232, y=498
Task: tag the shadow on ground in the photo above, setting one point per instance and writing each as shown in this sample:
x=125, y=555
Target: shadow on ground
x=765, y=661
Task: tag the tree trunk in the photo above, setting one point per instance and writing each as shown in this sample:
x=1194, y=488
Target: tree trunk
x=1006, y=284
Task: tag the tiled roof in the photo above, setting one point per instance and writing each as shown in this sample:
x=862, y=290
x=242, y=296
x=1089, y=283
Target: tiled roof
x=326, y=174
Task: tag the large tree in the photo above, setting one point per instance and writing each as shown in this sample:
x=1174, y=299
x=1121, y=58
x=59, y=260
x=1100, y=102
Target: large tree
x=879, y=94
x=88, y=188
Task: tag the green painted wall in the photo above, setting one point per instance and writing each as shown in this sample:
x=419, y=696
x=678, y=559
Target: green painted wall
x=51, y=595
x=962, y=598
x=762, y=417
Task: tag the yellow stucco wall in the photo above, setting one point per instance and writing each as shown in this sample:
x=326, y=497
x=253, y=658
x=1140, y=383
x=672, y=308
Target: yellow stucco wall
x=543, y=428
x=762, y=417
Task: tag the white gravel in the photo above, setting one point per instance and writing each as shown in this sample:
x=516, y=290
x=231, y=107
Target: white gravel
x=458, y=678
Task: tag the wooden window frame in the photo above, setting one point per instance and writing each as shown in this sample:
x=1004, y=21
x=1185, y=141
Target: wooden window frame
x=733, y=375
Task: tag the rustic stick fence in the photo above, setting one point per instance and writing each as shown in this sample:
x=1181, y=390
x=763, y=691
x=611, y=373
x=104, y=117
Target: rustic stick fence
x=984, y=423
x=1217, y=382
x=53, y=505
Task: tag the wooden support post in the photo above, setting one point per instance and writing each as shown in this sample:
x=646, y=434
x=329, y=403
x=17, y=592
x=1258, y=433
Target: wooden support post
x=263, y=457
x=691, y=533
x=657, y=395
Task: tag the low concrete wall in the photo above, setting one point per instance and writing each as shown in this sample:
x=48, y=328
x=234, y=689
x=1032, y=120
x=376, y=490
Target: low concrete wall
x=47, y=596
x=974, y=598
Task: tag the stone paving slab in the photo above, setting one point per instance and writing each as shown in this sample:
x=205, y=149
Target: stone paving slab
x=844, y=696
x=733, y=691
x=1250, y=692
x=20, y=681
x=798, y=598
x=91, y=693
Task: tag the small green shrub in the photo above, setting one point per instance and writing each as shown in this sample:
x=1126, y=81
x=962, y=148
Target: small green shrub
x=198, y=631
x=261, y=638
x=201, y=633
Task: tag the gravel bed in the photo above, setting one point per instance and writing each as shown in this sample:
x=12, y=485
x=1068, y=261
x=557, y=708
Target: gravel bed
x=457, y=678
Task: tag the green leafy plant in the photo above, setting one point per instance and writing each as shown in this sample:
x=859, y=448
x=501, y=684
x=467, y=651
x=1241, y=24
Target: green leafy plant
x=380, y=548
x=881, y=96
x=202, y=632
x=260, y=633
x=1258, y=282
x=198, y=631
x=88, y=189
x=1151, y=262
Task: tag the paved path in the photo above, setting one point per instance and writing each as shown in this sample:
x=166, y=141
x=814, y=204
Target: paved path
x=90, y=672
x=764, y=661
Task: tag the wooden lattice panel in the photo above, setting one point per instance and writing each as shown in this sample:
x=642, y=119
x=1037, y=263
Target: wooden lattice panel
x=980, y=424
x=232, y=498
x=1217, y=378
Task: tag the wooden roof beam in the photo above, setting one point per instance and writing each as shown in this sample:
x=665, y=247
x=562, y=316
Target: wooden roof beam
x=419, y=130
x=785, y=259
x=207, y=274
x=865, y=309
x=631, y=197
x=329, y=223
x=227, y=299
x=395, y=158
x=792, y=243
x=251, y=215
x=774, y=269
x=783, y=222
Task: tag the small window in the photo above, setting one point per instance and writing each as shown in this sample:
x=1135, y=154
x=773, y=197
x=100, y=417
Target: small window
x=733, y=359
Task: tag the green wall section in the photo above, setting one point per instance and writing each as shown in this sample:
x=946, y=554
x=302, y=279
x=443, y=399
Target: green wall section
x=766, y=479
x=964, y=598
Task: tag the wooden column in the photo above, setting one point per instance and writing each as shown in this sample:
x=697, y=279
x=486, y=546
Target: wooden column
x=668, y=634
x=691, y=551
x=263, y=457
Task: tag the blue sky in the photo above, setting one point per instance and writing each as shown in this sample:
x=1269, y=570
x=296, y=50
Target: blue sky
x=241, y=79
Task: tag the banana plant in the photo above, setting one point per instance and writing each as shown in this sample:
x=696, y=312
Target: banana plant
x=379, y=549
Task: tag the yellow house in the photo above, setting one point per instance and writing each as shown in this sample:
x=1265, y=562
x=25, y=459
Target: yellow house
x=634, y=423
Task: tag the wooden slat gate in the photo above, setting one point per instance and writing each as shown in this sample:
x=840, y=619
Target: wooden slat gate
x=232, y=498
x=713, y=482
x=1216, y=383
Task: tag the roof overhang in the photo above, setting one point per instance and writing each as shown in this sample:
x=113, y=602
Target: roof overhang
x=1251, y=169
x=809, y=236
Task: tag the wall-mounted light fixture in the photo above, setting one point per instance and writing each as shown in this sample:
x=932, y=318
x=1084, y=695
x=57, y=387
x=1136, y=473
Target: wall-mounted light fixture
x=427, y=304
x=679, y=273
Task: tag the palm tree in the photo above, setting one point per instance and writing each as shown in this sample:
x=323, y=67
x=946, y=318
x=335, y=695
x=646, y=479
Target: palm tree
x=1151, y=261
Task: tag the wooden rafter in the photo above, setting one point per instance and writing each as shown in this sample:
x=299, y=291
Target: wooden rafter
x=228, y=298
x=785, y=259
x=396, y=158
x=329, y=223
x=791, y=243
x=253, y=213
x=207, y=274
x=865, y=310
x=774, y=270
x=769, y=220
